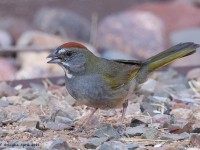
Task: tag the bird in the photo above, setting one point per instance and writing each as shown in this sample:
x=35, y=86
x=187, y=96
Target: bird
x=106, y=84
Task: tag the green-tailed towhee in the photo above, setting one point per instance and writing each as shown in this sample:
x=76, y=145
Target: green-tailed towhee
x=101, y=83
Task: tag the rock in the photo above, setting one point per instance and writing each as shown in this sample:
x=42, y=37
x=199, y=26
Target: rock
x=59, y=144
x=131, y=146
x=5, y=39
x=46, y=145
x=14, y=117
x=4, y=103
x=3, y=116
x=3, y=133
x=151, y=133
x=41, y=100
x=35, y=132
x=175, y=137
x=180, y=127
x=180, y=105
x=136, y=122
x=70, y=113
x=162, y=119
x=38, y=38
x=57, y=126
x=175, y=21
x=112, y=145
x=92, y=143
x=28, y=93
x=108, y=132
x=136, y=131
x=182, y=113
x=149, y=86
x=63, y=22
x=7, y=90
x=3, y=144
x=64, y=120
x=30, y=122
x=195, y=140
x=194, y=74
x=133, y=108
x=148, y=109
x=128, y=31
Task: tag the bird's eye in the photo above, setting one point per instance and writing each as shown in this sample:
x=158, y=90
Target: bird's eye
x=68, y=53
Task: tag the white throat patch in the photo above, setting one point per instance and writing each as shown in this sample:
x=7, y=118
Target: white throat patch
x=69, y=75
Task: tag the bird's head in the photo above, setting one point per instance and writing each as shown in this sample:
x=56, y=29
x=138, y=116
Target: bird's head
x=71, y=56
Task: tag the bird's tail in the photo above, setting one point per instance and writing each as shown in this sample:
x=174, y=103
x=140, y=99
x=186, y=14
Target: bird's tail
x=167, y=56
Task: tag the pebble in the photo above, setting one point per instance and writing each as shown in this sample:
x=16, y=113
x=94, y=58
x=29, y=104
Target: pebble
x=3, y=116
x=112, y=145
x=4, y=103
x=136, y=131
x=70, y=113
x=136, y=122
x=182, y=113
x=57, y=126
x=131, y=146
x=151, y=133
x=162, y=119
x=59, y=144
x=59, y=119
x=35, y=132
x=92, y=143
x=3, y=133
x=7, y=90
x=29, y=122
x=107, y=131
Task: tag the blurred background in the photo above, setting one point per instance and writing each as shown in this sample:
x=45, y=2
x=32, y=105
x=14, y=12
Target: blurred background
x=131, y=29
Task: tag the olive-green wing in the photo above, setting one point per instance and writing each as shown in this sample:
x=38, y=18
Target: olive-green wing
x=121, y=72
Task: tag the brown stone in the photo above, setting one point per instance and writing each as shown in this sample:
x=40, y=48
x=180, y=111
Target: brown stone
x=139, y=34
x=38, y=38
x=176, y=15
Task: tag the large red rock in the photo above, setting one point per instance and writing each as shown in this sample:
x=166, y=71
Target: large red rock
x=139, y=34
x=176, y=14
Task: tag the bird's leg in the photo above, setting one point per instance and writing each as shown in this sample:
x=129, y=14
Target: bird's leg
x=125, y=105
x=87, y=120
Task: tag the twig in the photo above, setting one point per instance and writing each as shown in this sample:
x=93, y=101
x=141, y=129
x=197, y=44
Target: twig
x=41, y=108
x=143, y=140
x=191, y=84
x=27, y=48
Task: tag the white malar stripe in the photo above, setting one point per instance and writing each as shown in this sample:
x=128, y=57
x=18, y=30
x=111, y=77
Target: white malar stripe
x=65, y=64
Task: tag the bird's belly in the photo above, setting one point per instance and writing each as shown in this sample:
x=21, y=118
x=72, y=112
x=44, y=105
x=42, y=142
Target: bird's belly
x=97, y=95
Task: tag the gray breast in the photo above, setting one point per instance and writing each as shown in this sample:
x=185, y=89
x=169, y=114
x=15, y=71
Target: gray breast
x=93, y=92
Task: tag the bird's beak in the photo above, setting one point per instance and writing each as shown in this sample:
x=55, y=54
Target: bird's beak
x=54, y=58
